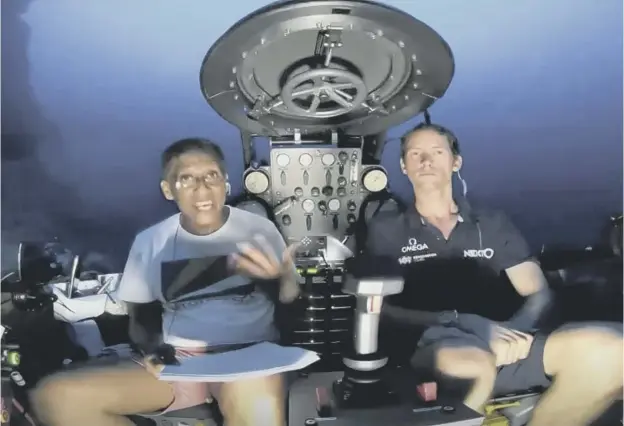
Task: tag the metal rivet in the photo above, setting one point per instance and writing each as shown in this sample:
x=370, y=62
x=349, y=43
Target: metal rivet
x=232, y=84
x=244, y=55
x=418, y=72
x=262, y=41
x=406, y=97
x=414, y=58
x=233, y=70
x=373, y=36
x=235, y=97
x=415, y=85
x=380, y=33
x=393, y=107
x=286, y=32
x=401, y=44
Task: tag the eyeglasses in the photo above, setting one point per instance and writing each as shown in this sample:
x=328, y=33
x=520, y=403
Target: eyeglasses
x=192, y=182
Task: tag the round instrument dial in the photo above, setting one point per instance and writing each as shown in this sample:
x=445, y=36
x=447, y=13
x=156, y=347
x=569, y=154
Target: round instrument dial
x=305, y=160
x=307, y=205
x=256, y=182
x=283, y=160
x=328, y=159
x=375, y=180
x=334, y=205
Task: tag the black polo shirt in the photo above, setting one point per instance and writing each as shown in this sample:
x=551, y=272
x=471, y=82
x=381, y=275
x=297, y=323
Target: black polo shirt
x=462, y=272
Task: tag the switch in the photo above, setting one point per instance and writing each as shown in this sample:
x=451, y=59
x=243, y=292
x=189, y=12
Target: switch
x=315, y=191
x=351, y=218
x=328, y=191
x=335, y=221
x=283, y=178
x=328, y=177
x=309, y=222
x=341, y=192
x=322, y=206
x=286, y=220
x=351, y=206
x=306, y=177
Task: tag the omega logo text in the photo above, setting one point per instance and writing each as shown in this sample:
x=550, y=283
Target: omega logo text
x=413, y=245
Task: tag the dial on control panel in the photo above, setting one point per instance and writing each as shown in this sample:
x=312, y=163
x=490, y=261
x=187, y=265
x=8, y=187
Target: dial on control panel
x=334, y=205
x=375, y=180
x=305, y=160
x=307, y=205
x=328, y=159
x=283, y=160
x=256, y=182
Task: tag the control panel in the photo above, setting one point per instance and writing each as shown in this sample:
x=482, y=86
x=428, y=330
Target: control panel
x=315, y=192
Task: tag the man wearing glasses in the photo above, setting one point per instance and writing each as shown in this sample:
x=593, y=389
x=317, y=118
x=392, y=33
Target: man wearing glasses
x=221, y=251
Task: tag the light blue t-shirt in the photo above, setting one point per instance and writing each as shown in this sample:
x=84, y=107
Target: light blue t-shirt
x=217, y=321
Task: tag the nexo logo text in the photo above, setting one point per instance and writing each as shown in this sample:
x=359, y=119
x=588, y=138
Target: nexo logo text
x=487, y=253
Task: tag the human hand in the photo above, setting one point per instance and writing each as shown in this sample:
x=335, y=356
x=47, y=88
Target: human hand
x=508, y=345
x=263, y=263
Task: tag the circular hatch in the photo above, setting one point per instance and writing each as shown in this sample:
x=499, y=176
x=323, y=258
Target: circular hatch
x=318, y=65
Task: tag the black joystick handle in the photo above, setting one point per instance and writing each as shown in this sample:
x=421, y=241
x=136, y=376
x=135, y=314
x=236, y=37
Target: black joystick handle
x=165, y=355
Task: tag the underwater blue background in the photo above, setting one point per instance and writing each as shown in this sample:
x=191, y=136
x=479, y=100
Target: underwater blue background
x=92, y=91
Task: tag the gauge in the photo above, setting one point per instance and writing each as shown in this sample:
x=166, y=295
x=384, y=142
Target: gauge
x=256, y=182
x=328, y=159
x=342, y=181
x=305, y=160
x=283, y=160
x=343, y=156
x=307, y=205
x=298, y=191
x=375, y=180
x=334, y=204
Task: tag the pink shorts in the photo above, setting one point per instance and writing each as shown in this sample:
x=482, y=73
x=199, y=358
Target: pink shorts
x=188, y=394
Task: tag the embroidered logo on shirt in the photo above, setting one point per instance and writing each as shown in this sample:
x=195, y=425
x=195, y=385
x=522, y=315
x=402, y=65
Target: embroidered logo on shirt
x=413, y=245
x=486, y=253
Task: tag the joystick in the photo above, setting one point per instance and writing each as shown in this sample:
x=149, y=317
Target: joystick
x=362, y=384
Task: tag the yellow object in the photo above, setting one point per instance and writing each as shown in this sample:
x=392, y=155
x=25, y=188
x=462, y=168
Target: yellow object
x=311, y=271
x=494, y=418
x=13, y=359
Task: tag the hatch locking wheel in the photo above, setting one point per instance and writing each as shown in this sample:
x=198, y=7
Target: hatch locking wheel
x=330, y=85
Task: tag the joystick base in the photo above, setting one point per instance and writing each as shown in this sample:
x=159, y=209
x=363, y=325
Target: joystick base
x=354, y=394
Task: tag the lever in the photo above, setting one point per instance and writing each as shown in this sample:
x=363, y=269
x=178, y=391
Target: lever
x=309, y=222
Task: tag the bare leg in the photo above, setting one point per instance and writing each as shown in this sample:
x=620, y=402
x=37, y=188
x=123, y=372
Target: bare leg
x=99, y=396
x=253, y=402
x=586, y=363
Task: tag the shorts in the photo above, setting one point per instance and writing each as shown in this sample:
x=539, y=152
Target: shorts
x=187, y=394
x=520, y=376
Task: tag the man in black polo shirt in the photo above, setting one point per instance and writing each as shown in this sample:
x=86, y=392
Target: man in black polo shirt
x=452, y=257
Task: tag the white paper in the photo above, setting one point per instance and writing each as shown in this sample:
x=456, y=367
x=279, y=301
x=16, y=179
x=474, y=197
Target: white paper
x=263, y=359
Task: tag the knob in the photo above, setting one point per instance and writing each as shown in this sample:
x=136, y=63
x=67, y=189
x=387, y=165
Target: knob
x=341, y=192
x=286, y=220
x=328, y=191
x=342, y=181
x=351, y=206
x=343, y=156
x=315, y=192
x=322, y=206
x=351, y=218
x=298, y=191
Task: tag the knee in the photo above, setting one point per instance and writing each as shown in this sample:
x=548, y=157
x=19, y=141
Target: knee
x=468, y=363
x=52, y=396
x=251, y=400
x=598, y=350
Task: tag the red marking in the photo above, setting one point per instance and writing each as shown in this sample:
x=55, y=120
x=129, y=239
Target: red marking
x=428, y=391
x=374, y=305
